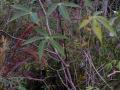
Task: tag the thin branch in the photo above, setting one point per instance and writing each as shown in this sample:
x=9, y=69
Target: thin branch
x=62, y=80
x=1, y=31
x=113, y=73
x=89, y=58
x=46, y=17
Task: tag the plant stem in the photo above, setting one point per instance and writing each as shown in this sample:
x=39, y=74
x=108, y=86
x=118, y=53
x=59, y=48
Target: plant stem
x=46, y=17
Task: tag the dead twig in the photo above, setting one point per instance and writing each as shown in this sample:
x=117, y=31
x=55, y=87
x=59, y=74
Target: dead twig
x=113, y=73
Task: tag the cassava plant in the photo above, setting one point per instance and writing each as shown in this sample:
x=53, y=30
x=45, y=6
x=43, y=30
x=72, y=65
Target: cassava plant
x=60, y=44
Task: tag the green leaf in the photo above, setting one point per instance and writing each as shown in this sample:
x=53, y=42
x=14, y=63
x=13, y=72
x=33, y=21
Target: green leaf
x=63, y=11
x=41, y=47
x=58, y=47
x=106, y=24
x=88, y=3
x=85, y=22
x=118, y=65
x=34, y=17
x=21, y=87
x=59, y=36
x=114, y=62
x=42, y=32
x=89, y=88
x=97, y=13
x=22, y=8
x=69, y=4
x=33, y=39
x=97, y=29
x=18, y=15
x=32, y=1
x=51, y=8
x=108, y=66
x=112, y=20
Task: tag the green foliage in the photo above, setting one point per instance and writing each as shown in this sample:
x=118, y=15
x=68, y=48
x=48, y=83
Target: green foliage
x=42, y=45
x=21, y=87
x=23, y=11
x=34, y=17
x=43, y=40
x=62, y=9
x=64, y=12
x=118, y=65
x=106, y=24
x=114, y=63
x=92, y=88
x=97, y=29
x=56, y=37
x=88, y=3
x=57, y=47
x=96, y=25
x=52, y=8
x=33, y=39
x=85, y=22
x=21, y=8
x=108, y=66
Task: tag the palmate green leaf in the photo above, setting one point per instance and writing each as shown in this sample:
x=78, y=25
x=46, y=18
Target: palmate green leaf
x=85, y=22
x=106, y=24
x=34, y=17
x=18, y=15
x=63, y=11
x=41, y=47
x=22, y=8
x=33, y=39
x=51, y=8
x=69, y=4
x=97, y=29
x=58, y=47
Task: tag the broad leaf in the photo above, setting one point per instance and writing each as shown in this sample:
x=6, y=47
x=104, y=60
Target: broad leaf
x=97, y=29
x=106, y=24
x=33, y=39
x=41, y=47
x=34, y=17
x=63, y=11
x=68, y=4
x=58, y=47
x=51, y=8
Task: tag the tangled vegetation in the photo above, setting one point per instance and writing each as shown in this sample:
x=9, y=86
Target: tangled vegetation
x=59, y=45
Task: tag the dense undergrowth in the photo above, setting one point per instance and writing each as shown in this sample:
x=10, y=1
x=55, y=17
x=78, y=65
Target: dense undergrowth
x=59, y=45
